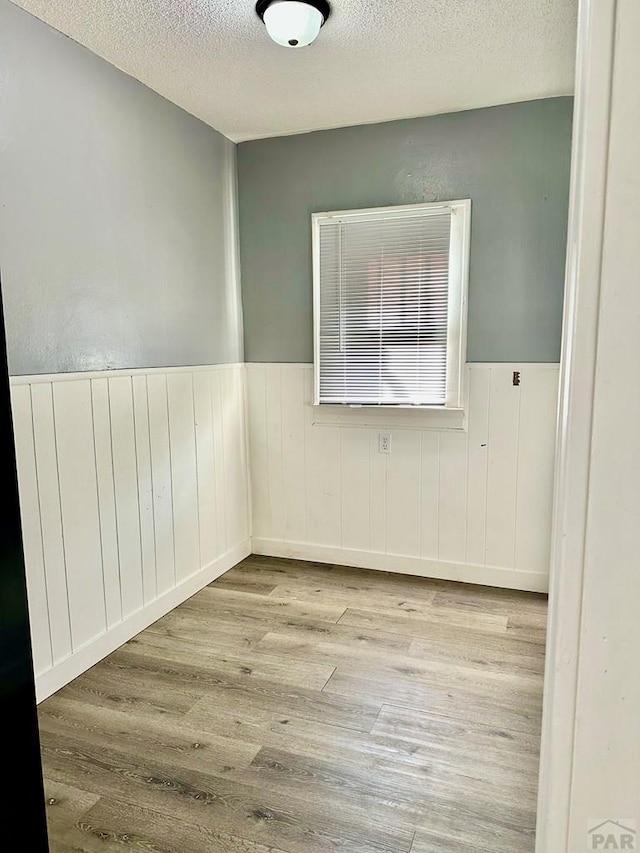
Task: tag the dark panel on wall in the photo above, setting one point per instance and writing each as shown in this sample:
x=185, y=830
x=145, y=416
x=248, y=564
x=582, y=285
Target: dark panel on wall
x=512, y=161
x=22, y=792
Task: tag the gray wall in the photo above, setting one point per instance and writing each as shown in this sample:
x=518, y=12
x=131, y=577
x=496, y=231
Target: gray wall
x=512, y=161
x=116, y=244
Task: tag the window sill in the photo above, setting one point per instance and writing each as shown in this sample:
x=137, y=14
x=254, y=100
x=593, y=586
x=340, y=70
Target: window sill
x=392, y=417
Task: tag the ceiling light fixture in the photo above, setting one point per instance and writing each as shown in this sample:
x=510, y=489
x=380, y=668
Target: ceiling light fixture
x=293, y=23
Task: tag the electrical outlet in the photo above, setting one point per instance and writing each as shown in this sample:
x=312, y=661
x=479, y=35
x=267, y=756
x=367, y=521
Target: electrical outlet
x=384, y=442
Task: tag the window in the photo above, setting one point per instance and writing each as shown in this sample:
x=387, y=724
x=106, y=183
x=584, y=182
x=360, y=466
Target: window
x=390, y=305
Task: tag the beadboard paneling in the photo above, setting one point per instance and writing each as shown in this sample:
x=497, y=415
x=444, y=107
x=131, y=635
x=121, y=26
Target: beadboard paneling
x=471, y=504
x=134, y=494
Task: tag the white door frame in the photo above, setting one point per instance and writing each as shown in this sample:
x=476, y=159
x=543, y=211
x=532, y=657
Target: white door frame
x=575, y=524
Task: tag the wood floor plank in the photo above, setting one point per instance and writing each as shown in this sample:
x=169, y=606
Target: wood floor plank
x=376, y=754
x=429, y=668
x=372, y=753
x=114, y=826
x=390, y=811
x=65, y=804
x=201, y=620
x=529, y=626
x=124, y=691
x=216, y=600
x=256, y=698
x=167, y=740
x=519, y=712
x=240, y=583
x=217, y=685
x=303, y=575
x=490, y=600
x=60, y=846
x=468, y=826
x=293, y=707
x=257, y=813
x=509, y=656
x=368, y=598
x=408, y=625
x=394, y=795
x=243, y=663
x=353, y=640
x=465, y=743
x=195, y=627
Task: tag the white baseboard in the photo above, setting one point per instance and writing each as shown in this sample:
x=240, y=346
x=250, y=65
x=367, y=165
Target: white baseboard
x=99, y=647
x=441, y=570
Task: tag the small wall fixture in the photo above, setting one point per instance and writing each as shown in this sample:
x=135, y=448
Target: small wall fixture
x=293, y=23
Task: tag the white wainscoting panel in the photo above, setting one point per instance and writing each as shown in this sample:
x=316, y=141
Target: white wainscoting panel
x=134, y=489
x=134, y=495
x=472, y=504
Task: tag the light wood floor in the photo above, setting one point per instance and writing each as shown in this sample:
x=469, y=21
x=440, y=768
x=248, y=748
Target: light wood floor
x=297, y=708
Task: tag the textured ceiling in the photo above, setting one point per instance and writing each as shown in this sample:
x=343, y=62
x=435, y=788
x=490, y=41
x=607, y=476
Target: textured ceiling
x=373, y=61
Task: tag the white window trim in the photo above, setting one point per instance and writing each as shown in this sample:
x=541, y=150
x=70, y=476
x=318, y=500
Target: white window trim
x=457, y=314
x=390, y=417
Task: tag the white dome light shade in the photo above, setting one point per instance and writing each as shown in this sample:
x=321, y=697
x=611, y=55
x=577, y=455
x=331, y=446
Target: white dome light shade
x=293, y=23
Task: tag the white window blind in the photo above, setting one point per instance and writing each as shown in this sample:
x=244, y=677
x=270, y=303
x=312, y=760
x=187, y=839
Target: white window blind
x=388, y=298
